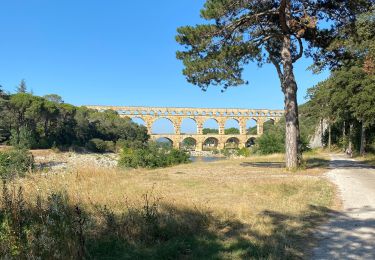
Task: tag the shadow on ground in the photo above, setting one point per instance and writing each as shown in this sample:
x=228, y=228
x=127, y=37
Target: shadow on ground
x=347, y=237
x=277, y=165
x=349, y=164
x=312, y=163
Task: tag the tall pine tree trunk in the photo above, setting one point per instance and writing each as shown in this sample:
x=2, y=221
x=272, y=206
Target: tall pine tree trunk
x=292, y=151
x=350, y=145
x=344, y=136
x=362, y=149
x=329, y=135
x=321, y=131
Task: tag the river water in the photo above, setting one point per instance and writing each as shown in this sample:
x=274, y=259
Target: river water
x=206, y=158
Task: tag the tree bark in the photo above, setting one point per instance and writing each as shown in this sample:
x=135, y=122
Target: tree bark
x=350, y=145
x=321, y=132
x=329, y=136
x=362, y=149
x=292, y=149
x=344, y=135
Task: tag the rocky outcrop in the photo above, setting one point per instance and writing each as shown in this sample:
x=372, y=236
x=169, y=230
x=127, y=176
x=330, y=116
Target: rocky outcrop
x=316, y=140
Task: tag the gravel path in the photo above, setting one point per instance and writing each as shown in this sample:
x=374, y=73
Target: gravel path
x=350, y=233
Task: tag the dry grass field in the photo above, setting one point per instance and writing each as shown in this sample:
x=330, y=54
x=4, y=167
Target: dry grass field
x=250, y=208
x=369, y=159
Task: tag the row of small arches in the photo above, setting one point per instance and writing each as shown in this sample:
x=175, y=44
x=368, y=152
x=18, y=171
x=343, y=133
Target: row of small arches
x=196, y=113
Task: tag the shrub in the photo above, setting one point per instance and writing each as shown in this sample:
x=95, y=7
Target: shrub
x=53, y=228
x=122, y=143
x=48, y=230
x=23, y=139
x=15, y=163
x=99, y=146
x=244, y=152
x=270, y=142
x=110, y=146
x=152, y=156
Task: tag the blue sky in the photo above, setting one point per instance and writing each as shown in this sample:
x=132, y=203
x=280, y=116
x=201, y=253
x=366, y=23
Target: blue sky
x=119, y=52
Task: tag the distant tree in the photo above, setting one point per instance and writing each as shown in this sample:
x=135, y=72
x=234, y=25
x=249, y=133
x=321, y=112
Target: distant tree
x=252, y=130
x=206, y=131
x=4, y=116
x=22, y=88
x=54, y=98
x=270, y=31
x=232, y=131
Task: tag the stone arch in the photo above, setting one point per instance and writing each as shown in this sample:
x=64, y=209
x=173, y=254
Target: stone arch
x=139, y=120
x=232, y=143
x=211, y=123
x=157, y=129
x=210, y=143
x=251, y=126
x=232, y=126
x=250, y=142
x=189, y=143
x=164, y=141
x=189, y=125
x=268, y=123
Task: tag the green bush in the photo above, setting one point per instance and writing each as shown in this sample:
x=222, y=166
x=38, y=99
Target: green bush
x=15, y=163
x=244, y=152
x=99, y=146
x=23, y=139
x=110, y=146
x=152, y=156
x=122, y=143
x=270, y=142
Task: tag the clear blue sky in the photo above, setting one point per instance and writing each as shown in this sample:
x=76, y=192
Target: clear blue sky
x=119, y=52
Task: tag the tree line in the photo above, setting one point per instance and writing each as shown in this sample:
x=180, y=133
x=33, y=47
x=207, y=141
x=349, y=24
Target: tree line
x=31, y=121
x=346, y=100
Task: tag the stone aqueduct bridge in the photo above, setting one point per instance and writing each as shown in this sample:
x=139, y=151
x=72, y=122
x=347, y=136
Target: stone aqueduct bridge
x=200, y=115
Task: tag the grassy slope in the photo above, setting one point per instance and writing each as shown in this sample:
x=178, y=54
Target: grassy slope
x=223, y=210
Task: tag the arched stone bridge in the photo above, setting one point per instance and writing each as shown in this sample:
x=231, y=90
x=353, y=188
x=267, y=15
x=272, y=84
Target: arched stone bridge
x=200, y=115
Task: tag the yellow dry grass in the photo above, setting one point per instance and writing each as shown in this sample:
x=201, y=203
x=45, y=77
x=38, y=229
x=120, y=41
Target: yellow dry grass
x=369, y=159
x=241, y=190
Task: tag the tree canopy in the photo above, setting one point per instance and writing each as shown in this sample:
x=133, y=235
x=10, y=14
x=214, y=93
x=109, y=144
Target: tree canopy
x=37, y=122
x=270, y=31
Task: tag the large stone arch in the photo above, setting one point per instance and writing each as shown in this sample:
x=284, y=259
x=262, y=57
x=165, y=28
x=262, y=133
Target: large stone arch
x=250, y=142
x=251, y=124
x=189, y=146
x=213, y=118
x=210, y=143
x=175, y=129
x=236, y=127
x=136, y=118
x=267, y=122
x=165, y=137
x=184, y=118
x=232, y=142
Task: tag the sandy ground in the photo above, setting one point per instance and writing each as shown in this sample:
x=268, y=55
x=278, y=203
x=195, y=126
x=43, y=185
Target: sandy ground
x=350, y=233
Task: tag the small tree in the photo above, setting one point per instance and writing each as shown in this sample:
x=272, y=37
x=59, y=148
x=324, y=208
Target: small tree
x=269, y=31
x=22, y=88
x=54, y=98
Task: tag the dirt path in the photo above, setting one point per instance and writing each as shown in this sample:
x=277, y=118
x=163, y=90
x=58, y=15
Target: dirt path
x=350, y=233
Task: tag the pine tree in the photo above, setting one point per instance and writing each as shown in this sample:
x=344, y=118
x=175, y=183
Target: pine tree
x=21, y=88
x=269, y=31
